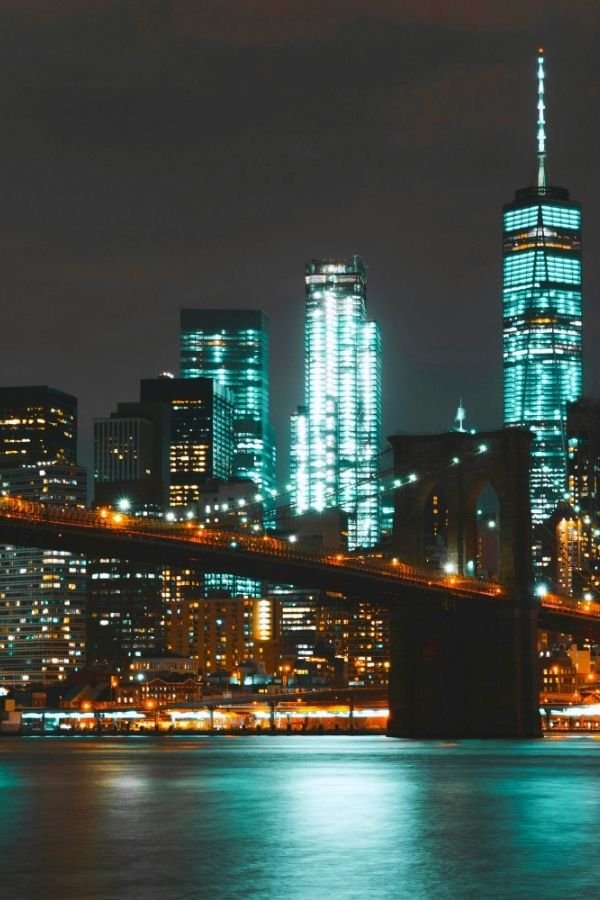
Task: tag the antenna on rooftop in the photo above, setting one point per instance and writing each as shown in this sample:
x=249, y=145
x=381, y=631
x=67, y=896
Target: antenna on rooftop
x=541, y=121
x=461, y=415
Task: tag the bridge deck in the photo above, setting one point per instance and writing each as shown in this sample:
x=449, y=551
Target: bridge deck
x=23, y=521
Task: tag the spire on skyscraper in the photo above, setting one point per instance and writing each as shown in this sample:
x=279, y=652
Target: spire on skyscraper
x=461, y=415
x=542, y=177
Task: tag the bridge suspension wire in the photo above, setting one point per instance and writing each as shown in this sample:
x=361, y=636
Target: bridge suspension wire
x=400, y=478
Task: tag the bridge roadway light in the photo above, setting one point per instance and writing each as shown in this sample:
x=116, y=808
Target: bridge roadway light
x=541, y=590
x=124, y=504
x=292, y=538
x=449, y=568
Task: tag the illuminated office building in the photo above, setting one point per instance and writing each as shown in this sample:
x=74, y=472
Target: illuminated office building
x=231, y=346
x=164, y=451
x=199, y=443
x=42, y=592
x=542, y=319
x=336, y=434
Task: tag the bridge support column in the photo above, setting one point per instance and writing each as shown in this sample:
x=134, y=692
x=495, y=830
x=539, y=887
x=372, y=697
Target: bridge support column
x=463, y=668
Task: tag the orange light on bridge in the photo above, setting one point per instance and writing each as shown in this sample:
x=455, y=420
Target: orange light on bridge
x=117, y=518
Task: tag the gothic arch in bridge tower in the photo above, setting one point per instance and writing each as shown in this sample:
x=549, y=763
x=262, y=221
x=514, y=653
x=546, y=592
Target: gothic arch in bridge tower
x=488, y=471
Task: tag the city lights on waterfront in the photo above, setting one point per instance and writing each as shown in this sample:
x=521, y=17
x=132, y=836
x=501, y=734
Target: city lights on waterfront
x=330, y=577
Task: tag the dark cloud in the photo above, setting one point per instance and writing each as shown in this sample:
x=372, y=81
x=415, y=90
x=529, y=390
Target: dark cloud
x=160, y=155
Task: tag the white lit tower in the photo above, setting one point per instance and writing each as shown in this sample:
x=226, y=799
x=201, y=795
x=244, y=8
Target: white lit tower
x=336, y=434
x=542, y=299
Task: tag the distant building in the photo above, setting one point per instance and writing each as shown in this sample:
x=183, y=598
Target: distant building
x=336, y=433
x=231, y=347
x=542, y=324
x=42, y=592
x=160, y=451
x=200, y=440
x=235, y=631
x=129, y=463
x=38, y=426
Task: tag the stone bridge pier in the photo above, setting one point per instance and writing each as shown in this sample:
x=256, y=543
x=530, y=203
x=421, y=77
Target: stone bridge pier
x=459, y=666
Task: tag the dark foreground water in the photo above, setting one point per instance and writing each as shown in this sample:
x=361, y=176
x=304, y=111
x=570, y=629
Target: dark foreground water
x=298, y=817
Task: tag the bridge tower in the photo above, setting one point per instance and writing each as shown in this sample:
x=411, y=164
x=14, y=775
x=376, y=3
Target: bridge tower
x=462, y=667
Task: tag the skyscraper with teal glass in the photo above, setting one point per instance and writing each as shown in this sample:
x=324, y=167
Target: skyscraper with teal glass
x=231, y=346
x=541, y=293
x=336, y=434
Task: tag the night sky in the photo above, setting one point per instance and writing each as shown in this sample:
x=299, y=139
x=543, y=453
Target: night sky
x=160, y=155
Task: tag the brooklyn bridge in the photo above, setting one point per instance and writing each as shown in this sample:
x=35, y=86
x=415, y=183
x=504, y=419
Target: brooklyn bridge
x=463, y=650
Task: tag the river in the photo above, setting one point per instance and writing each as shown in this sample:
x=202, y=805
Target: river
x=298, y=817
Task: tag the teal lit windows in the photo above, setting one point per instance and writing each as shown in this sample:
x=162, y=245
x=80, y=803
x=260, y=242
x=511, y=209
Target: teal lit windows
x=335, y=441
x=231, y=347
x=542, y=319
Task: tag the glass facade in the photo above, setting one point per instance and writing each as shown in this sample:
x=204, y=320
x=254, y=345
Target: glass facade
x=542, y=300
x=231, y=346
x=335, y=439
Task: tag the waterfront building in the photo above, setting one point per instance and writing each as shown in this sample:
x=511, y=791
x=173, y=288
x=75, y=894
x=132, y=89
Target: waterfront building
x=232, y=632
x=542, y=297
x=336, y=433
x=231, y=347
x=42, y=592
x=126, y=612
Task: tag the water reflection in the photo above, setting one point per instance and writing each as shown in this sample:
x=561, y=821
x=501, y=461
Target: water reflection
x=297, y=817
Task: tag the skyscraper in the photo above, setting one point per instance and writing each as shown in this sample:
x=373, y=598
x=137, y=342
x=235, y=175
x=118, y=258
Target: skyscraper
x=336, y=434
x=42, y=592
x=542, y=318
x=231, y=346
x=200, y=438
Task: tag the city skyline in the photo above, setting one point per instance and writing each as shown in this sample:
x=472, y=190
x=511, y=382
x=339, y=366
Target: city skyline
x=421, y=128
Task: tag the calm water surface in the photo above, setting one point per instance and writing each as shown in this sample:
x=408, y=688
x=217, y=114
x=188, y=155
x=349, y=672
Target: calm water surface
x=298, y=817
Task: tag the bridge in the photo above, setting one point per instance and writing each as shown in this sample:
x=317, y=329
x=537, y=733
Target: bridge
x=463, y=650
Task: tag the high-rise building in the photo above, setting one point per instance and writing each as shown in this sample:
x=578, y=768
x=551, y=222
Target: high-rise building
x=42, y=592
x=200, y=439
x=336, y=434
x=542, y=319
x=583, y=469
x=165, y=450
x=38, y=425
x=231, y=346
x=130, y=465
